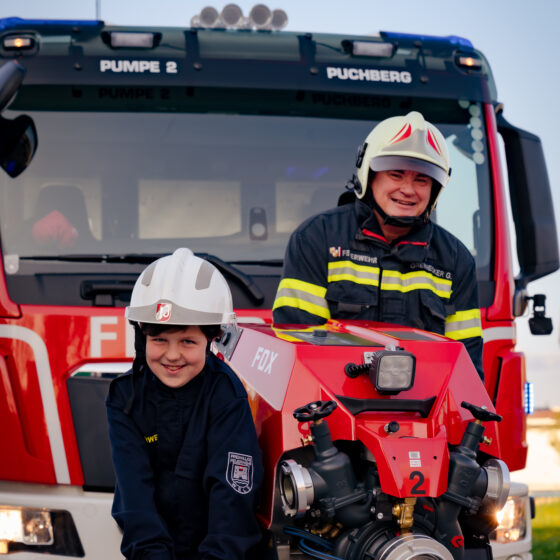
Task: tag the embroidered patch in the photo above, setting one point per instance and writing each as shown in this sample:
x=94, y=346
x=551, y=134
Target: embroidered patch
x=335, y=252
x=239, y=472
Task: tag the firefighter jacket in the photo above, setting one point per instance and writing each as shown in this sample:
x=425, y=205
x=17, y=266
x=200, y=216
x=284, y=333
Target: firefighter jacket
x=187, y=464
x=338, y=265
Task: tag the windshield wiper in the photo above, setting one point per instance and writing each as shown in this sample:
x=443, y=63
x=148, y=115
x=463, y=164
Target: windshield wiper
x=146, y=258
x=244, y=279
x=262, y=262
x=140, y=258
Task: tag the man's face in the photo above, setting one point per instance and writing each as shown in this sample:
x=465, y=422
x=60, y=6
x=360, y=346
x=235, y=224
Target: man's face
x=176, y=357
x=402, y=193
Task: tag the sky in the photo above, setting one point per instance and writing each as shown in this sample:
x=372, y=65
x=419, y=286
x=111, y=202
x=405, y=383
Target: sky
x=518, y=38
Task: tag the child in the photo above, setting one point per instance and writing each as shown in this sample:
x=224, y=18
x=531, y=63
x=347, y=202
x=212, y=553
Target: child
x=184, y=446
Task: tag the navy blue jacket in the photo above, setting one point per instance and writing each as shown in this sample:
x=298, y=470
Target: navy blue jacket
x=338, y=265
x=187, y=464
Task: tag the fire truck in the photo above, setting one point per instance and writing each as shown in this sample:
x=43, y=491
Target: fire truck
x=120, y=144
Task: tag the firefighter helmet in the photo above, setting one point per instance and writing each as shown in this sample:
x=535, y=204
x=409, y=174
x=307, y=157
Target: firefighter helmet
x=181, y=289
x=407, y=143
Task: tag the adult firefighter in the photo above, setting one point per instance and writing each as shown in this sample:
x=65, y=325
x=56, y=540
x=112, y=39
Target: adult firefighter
x=382, y=258
x=184, y=446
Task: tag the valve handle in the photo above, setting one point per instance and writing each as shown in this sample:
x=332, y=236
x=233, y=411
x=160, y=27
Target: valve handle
x=480, y=413
x=314, y=411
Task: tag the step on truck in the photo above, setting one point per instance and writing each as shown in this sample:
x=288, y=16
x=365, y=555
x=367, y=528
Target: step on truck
x=120, y=144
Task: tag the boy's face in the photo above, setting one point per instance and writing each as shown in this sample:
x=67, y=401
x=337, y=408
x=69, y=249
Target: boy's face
x=176, y=357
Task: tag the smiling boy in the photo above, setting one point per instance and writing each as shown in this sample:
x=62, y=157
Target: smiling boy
x=184, y=447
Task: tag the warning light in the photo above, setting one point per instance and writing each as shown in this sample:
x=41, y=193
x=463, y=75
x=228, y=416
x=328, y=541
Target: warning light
x=18, y=43
x=471, y=62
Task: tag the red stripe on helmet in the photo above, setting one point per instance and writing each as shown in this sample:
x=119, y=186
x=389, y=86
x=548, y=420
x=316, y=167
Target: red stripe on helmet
x=433, y=142
x=403, y=133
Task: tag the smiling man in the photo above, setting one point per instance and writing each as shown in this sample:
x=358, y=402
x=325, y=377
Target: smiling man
x=382, y=258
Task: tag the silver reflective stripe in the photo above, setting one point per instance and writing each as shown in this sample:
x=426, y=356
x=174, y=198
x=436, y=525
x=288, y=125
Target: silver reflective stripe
x=499, y=333
x=371, y=275
x=462, y=325
x=46, y=388
x=178, y=315
x=302, y=295
x=408, y=282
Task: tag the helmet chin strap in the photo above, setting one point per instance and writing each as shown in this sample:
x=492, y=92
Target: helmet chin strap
x=400, y=221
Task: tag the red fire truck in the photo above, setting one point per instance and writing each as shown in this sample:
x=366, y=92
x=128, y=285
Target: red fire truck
x=121, y=144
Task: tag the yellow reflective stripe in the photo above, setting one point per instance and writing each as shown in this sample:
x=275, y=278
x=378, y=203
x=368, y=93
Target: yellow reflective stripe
x=287, y=337
x=300, y=285
x=352, y=272
x=302, y=295
x=303, y=305
x=283, y=333
x=420, y=280
x=463, y=324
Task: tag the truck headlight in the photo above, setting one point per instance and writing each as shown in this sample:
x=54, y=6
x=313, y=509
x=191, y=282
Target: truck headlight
x=25, y=525
x=512, y=521
x=392, y=371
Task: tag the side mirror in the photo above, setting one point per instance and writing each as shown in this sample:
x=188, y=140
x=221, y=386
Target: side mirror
x=531, y=203
x=18, y=137
x=11, y=77
x=18, y=143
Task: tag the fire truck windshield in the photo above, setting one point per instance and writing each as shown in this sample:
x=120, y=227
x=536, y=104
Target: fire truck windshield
x=231, y=185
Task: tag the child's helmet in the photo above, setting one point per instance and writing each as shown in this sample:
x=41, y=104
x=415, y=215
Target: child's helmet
x=181, y=289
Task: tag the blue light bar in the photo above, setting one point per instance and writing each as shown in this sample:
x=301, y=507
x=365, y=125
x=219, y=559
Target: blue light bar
x=452, y=40
x=8, y=23
x=529, y=400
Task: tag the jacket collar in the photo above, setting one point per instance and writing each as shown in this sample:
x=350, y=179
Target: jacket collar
x=410, y=248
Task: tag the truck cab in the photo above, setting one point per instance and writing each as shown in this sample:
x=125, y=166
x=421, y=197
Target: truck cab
x=221, y=140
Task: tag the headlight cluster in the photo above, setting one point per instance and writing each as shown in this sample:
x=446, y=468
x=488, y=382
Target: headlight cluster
x=25, y=525
x=512, y=521
x=392, y=370
x=38, y=531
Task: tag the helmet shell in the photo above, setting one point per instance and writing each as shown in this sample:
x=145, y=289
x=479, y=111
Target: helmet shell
x=181, y=289
x=405, y=143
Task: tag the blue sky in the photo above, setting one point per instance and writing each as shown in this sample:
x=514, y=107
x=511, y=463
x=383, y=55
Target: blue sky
x=518, y=37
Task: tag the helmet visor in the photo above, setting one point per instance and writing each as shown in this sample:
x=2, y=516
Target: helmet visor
x=393, y=163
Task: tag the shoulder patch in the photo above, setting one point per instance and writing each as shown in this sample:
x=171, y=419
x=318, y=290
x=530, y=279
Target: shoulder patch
x=239, y=472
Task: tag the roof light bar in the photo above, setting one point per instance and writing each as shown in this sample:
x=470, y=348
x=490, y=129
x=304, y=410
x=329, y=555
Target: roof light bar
x=405, y=38
x=261, y=17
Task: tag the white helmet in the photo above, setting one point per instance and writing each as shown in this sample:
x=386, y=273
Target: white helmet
x=407, y=143
x=181, y=289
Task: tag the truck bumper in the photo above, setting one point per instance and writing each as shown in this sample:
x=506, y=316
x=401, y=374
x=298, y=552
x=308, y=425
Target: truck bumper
x=89, y=512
